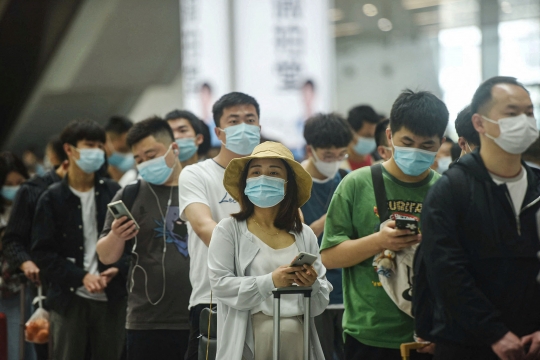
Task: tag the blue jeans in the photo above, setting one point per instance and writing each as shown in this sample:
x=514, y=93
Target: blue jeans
x=12, y=308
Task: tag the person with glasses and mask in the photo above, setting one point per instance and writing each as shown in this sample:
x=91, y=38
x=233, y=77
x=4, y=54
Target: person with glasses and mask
x=204, y=201
x=327, y=137
x=476, y=289
x=359, y=234
x=159, y=289
x=250, y=255
x=87, y=298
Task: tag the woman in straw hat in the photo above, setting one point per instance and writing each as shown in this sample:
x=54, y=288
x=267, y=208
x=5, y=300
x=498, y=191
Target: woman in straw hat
x=250, y=254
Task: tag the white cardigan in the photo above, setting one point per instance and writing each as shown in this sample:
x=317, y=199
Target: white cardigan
x=232, y=249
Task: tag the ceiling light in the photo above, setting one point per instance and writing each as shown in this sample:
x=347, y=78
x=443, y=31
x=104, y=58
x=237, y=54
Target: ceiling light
x=506, y=7
x=347, y=29
x=384, y=24
x=370, y=10
x=335, y=15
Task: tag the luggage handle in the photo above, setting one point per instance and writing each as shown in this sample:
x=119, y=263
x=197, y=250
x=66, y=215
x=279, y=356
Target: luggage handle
x=407, y=347
x=291, y=290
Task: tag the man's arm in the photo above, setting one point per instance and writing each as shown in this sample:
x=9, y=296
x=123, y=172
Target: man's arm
x=200, y=219
x=447, y=263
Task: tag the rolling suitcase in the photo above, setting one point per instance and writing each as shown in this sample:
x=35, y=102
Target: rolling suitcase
x=304, y=290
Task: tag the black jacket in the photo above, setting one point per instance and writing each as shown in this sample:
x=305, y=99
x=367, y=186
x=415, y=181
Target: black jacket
x=476, y=268
x=17, y=238
x=57, y=235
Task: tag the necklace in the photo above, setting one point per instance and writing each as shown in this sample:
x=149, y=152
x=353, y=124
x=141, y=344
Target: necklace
x=255, y=221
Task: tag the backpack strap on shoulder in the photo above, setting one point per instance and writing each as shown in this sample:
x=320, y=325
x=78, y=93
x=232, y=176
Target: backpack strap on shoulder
x=380, y=192
x=130, y=193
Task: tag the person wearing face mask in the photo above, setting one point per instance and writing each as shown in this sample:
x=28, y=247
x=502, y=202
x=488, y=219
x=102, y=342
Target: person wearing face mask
x=444, y=156
x=119, y=158
x=204, y=201
x=468, y=136
x=87, y=299
x=363, y=121
x=262, y=238
x=17, y=239
x=476, y=267
x=159, y=288
x=13, y=173
x=188, y=135
x=357, y=231
x=327, y=137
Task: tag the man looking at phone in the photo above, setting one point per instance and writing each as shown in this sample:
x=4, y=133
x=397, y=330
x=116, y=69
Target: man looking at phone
x=86, y=298
x=158, y=282
x=203, y=199
x=374, y=326
x=477, y=264
x=327, y=137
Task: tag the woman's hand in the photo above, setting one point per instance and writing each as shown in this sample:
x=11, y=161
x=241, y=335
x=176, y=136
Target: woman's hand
x=285, y=275
x=124, y=230
x=306, y=276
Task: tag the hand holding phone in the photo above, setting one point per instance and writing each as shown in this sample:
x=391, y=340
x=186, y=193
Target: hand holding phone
x=124, y=230
x=407, y=224
x=303, y=258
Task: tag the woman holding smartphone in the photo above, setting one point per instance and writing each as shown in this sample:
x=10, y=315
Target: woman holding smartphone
x=251, y=252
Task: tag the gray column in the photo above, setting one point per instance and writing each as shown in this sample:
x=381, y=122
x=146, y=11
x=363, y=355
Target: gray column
x=489, y=26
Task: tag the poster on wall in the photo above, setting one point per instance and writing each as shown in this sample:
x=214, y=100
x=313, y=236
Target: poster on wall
x=206, y=65
x=284, y=58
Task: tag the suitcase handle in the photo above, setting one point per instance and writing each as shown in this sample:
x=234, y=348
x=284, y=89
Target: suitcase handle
x=303, y=290
x=407, y=347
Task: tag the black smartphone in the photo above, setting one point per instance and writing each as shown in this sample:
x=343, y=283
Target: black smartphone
x=407, y=224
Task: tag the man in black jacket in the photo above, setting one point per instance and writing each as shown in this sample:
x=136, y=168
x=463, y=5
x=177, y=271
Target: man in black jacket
x=476, y=293
x=87, y=299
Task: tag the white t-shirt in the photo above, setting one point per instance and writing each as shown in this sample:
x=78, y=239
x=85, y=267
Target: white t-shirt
x=265, y=262
x=517, y=187
x=203, y=183
x=90, y=231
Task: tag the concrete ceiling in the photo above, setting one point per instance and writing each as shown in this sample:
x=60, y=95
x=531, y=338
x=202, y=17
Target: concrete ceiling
x=111, y=53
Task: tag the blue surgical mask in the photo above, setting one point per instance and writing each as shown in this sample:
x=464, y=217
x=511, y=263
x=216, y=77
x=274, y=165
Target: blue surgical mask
x=413, y=161
x=365, y=146
x=90, y=160
x=155, y=171
x=188, y=148
x=122, y=162
x=242, y=138
x=9, y=192
x=265, y=191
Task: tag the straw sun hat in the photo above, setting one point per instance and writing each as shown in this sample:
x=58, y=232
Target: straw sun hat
x=268, y=150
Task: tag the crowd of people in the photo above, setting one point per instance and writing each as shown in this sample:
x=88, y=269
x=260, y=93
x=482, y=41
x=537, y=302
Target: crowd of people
x=417, y=238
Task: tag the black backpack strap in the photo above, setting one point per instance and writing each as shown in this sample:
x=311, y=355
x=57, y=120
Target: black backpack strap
x=130, y=193
x=343, y=173
x=380, y=192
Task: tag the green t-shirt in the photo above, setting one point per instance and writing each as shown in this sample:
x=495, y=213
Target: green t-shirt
x=371, y=317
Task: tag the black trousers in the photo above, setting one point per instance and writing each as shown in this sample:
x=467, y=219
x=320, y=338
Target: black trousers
x=355, y=350
x=157, y=344
x=330, y=332
x=194, y=331
x=445, y=351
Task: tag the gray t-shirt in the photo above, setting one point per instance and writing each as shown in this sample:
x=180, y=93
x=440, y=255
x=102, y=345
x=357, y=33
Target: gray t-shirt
x=171, y=313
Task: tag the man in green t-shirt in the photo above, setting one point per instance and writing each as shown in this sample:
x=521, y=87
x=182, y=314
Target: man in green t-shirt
x=373, y=324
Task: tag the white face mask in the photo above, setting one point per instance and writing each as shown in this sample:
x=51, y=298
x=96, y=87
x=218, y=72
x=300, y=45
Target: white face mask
x=443, y=164
x=328, y=169
x=517, y=133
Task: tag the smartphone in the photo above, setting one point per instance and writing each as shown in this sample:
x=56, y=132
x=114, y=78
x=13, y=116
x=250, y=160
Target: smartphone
x=119, y=209
x=407, y=224
x=303, y=258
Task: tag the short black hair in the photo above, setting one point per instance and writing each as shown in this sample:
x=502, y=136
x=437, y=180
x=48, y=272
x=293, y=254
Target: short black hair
x=532, y=154
x=483, y=96
x=233, y=99
x=57, y=147
x=465, y=127
x=194, y=121
x=380, y=132
x=324, y=131
x=207, y=140
x=118, y=125
x=154, y=126
x=455, y=152
x=421, y=112
x=309, y=83
x=360, y=114
x=78, y=130
x=9, y=162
